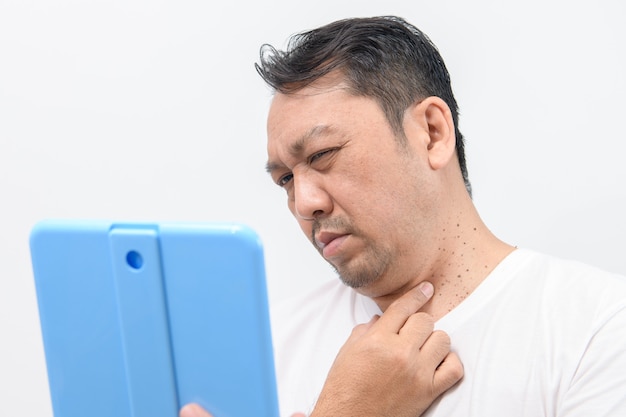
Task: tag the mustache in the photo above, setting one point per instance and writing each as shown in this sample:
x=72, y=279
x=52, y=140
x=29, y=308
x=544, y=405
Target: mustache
x=339, y=224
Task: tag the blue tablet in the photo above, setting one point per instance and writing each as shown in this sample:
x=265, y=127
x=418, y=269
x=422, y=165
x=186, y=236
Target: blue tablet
x=139, y=319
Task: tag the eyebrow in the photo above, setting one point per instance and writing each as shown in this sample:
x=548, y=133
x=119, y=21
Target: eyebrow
x=298, y=146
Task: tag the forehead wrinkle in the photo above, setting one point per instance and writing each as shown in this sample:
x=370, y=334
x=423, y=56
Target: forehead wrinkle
x=296, y=148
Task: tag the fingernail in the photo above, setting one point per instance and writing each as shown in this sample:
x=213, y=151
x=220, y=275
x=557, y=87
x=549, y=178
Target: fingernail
x=427, y=289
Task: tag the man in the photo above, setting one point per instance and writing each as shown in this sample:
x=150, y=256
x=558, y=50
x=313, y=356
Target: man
x=363, y=136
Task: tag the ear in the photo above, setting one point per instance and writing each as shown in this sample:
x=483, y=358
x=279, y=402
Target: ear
x=435, y=118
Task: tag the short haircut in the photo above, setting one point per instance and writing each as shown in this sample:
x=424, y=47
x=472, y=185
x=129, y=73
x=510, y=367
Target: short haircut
x=385, y=58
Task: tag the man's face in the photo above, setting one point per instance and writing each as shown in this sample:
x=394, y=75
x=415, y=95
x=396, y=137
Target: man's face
x=359, y=196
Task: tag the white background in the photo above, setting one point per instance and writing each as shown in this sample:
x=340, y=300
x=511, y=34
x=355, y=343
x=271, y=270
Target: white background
x=152, y=110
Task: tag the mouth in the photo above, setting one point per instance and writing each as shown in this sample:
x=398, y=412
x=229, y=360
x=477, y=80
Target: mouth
x=329, y=242
x=322, y=239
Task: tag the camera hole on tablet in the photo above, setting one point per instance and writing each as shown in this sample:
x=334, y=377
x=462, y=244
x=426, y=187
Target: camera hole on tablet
x=134, y=259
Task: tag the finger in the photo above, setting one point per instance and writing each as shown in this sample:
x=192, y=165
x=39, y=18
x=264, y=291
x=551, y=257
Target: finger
x=193, y=410
x=435, y=349
x=401, y=309
x=449, y=372
x=418, y=328
x=361, y=329
x=372, y=321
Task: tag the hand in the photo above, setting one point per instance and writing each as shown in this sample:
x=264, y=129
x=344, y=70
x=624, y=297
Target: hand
x=395, y=365
x=194, y=410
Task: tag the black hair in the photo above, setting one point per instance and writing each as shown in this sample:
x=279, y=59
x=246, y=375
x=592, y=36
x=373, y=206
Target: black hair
x=385, y=58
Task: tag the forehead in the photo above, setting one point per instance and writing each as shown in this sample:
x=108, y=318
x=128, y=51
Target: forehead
x=294, y=121
x=316, y=109
x=319, y=114
x=311, y=99
x=291, y=113
x=314, y=96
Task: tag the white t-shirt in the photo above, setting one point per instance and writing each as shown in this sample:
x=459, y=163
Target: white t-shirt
x=538, y=337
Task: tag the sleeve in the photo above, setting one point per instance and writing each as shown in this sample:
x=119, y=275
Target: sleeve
x=598, y=387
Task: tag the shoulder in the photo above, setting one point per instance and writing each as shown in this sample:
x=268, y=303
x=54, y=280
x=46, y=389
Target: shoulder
x=543, y=291
x=305, y=311
x=568, y=294
x=308, y=330
x=320, y=296
x=569, y=278
x=546, y=270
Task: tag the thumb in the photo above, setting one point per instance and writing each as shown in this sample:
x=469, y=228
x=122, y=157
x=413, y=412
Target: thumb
x=193, y=410
x=408, y=304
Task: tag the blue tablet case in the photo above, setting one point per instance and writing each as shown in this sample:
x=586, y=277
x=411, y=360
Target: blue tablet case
x=140, y=319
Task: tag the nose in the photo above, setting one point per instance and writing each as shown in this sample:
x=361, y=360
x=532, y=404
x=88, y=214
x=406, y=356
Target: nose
x=310, y=199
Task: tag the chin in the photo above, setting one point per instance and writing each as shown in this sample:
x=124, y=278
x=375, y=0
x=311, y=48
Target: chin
x=362, y=274
x=363, y=283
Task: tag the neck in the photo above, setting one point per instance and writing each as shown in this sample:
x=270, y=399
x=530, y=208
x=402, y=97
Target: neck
x=462, y=273
x=465, y=255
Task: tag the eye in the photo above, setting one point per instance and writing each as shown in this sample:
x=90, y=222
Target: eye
x=284, y=180
x=319, y=155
